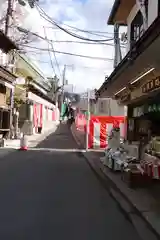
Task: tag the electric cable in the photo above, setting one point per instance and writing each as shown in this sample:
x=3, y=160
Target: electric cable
x=71, y=54
x=49, y=19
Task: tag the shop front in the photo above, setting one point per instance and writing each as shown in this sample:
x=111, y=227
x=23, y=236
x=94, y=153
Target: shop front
x=138, y=158
x=144, y=125
x=144, y=111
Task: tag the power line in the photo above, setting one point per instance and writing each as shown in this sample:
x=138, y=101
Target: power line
x=71, y=54
x=80, y=42
x=84, y=31
x=52, y=65
x=49, y=19
x=76, y=35
x=57, y=64
x=71, y=65
x=56, y=59
x=81, y=30
x=67, y=41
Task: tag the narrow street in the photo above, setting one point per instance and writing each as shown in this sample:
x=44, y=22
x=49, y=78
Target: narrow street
x=49, y=194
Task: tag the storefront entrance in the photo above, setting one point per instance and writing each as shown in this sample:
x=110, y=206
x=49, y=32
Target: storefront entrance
x=144, y=119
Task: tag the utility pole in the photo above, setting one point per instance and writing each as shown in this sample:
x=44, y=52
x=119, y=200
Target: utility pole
x=7, y=25
x=8, y=15
x=88, y=120
x=63, y=83
x=118, y=55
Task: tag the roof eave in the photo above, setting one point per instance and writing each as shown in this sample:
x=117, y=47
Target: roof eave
x=140, y=44
x=113, y=12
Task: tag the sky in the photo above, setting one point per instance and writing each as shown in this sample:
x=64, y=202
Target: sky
x=83, y=73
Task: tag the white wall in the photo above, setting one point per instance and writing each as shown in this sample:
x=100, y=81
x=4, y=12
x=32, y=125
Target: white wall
x=152, y=11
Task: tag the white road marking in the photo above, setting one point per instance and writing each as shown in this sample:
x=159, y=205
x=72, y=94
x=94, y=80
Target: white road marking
x=57, y=149
x=65, y=150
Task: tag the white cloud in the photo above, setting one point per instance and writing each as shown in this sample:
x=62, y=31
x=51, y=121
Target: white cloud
x=83, y=14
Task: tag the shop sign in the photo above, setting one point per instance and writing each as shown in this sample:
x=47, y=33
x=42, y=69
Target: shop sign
x=154, y=108
x=151, y=85
x=125, y=97
x=140, y=111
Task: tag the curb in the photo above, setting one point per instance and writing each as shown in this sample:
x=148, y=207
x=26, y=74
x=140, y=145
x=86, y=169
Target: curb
x=76, y=138
x=33, y=142
x=141, y=224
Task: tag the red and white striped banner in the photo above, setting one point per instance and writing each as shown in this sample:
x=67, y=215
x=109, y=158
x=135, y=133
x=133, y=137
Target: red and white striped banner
x=150, y=169
x=99, y=128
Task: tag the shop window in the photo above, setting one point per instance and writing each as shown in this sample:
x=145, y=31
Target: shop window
x=2, y=89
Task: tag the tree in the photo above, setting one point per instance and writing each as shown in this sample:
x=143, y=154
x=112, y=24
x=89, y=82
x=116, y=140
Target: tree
x=16, y=18
x=18, y=101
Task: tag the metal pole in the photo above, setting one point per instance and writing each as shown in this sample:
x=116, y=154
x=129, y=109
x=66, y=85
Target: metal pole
x=7, y=23
x=88, y=120
x=63, y=83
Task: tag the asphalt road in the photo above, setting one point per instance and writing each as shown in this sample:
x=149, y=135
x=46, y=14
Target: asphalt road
x=55, y=195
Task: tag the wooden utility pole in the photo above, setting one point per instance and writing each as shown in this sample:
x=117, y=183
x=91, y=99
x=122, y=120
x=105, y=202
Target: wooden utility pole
x=8, y=16
x=7, y=25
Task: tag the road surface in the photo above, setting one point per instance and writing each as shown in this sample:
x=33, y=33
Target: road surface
x=53, y=194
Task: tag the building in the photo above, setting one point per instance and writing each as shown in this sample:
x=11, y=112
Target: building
x=100, y=106
x=82, y=104
x=37, y=110
x=7, y=80
x=108, y=107
x=135, y=82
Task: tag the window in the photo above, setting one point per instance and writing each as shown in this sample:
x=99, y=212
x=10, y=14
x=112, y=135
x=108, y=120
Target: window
x=146, y=7
x=137, y=28
x=158, y=7
x=101, y=106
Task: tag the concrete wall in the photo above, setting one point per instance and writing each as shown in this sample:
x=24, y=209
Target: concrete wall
x=103, y=107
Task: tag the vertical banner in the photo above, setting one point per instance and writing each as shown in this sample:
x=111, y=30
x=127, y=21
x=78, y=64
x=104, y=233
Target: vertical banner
x=35, y=117
x=41, y=115
x=53, y=115
x=46, y=113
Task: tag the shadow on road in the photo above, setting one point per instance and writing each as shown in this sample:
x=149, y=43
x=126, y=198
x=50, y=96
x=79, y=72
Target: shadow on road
x=60, y=139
